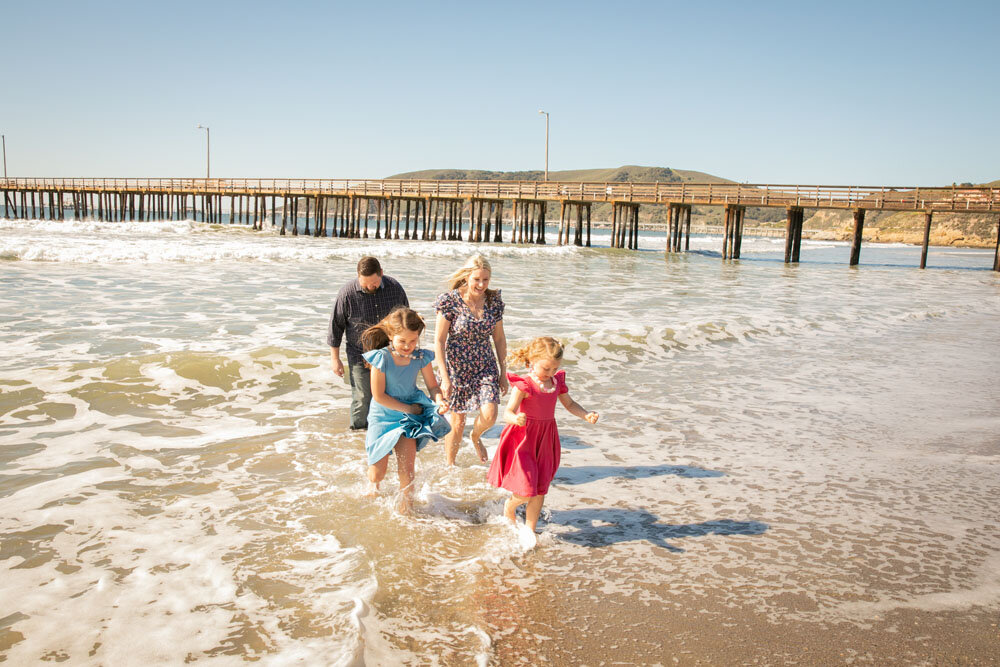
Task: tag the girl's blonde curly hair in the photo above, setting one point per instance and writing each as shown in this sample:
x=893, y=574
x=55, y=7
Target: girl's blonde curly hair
x=543, y=347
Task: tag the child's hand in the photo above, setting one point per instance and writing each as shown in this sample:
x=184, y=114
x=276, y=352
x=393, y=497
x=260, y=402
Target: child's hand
x=592, y=417
x=521, y=419
x=442, y=405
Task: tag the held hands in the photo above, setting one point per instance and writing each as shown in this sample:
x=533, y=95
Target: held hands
x=592, y=417
x=504, y=384
x=446, y=388
x=442, y=404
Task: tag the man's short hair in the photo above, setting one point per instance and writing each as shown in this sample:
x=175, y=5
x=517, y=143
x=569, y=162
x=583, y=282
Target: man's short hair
x=369, y=266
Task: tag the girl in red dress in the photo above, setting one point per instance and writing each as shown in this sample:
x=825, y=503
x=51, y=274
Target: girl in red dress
x=528, y=455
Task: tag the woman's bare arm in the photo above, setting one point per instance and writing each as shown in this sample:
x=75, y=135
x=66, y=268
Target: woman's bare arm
x=500, y=342
x=441, y=329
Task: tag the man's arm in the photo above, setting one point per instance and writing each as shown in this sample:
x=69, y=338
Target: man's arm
x=335, y=332
x=338, y=365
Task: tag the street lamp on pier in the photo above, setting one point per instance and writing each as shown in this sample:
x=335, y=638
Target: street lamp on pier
x=208, y=150
x=546, y=143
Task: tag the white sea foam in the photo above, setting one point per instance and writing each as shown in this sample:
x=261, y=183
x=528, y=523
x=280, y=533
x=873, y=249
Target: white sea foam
x=175, y=454
x=193, y=242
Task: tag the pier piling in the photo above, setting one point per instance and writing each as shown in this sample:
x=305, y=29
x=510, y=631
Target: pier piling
x=793, y=235
x=859, y=226
x=996, y=251
x=927, y=239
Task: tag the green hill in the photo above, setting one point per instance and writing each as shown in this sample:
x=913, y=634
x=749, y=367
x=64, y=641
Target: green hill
x=949, y=228
x=632, y=173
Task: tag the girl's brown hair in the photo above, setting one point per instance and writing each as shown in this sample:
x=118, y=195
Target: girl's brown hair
x=399, y=320
x=545, y=347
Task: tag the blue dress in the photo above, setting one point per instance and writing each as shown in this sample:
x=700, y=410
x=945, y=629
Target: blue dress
x=385, y=425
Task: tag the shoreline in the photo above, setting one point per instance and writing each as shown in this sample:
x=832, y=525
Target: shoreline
x=943, y=238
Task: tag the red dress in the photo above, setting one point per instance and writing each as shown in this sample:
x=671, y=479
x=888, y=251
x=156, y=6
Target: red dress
x=528, y=456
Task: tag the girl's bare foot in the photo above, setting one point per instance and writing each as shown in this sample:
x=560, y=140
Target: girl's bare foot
x=373, y=478
x=526, y=538
x=510, y=510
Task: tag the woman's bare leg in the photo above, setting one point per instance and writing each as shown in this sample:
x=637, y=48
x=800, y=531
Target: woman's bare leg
x=486, y=418
x=454, y=437
x=406, y=456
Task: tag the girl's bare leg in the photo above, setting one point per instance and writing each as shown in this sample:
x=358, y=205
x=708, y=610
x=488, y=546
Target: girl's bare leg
x=532, y=511
x=486, y=418
x=454, y=437
x=376, y=473
x=406, y=456
x=510, y=507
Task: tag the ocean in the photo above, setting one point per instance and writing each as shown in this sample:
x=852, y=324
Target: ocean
x=793, y=463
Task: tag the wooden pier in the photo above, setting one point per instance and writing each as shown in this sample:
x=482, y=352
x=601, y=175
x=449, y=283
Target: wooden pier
x=346, y=207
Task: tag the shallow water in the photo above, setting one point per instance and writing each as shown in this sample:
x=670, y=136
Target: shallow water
x=811, y=444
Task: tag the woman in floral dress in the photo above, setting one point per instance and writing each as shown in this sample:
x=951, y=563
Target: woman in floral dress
x=469, y=317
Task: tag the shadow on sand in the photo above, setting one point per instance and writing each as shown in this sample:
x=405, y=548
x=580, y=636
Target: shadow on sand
x=604, y=527
x=584, y=474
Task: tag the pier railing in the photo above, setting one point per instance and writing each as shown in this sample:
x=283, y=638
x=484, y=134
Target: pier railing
x=896, y=198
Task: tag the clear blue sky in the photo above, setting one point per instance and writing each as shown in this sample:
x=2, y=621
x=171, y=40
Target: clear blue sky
x=896, y=93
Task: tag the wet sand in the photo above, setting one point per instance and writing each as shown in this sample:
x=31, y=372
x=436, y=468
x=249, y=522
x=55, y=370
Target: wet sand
x=576, y=622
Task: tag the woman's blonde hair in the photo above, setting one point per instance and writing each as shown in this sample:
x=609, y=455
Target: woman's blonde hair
x=399, y=320
x=545, y=347
x=461, y=276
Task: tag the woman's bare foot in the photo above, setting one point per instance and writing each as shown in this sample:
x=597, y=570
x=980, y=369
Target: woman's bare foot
x=480, y=449
x=450, y=452
x=405, y=505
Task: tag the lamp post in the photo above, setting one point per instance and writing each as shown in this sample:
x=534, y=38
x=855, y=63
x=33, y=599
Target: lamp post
x=546, y=143
x=4, y=156
x=208, y=150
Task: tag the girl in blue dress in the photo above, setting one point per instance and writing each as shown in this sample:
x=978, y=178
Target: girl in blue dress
x=401, y=417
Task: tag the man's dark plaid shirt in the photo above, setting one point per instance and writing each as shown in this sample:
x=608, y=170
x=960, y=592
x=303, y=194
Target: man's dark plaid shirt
x=355, y=311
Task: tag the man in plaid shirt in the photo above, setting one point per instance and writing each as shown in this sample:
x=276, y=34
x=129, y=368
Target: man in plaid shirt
x=361, y=303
